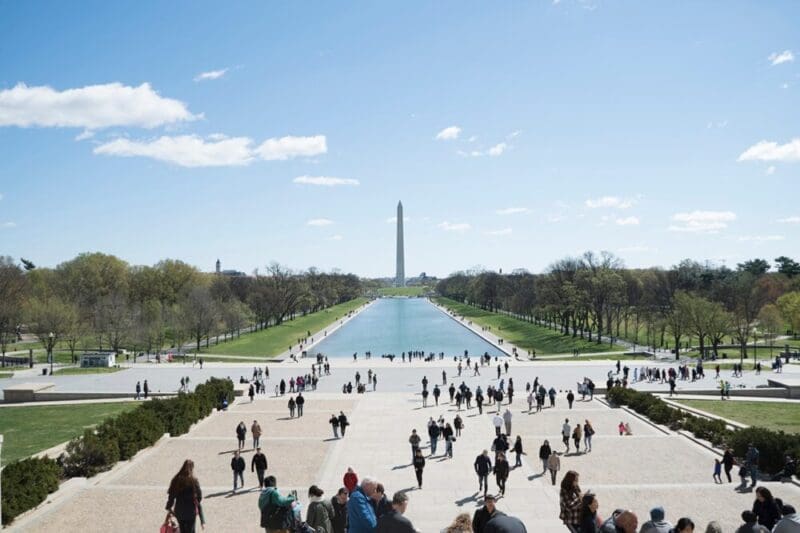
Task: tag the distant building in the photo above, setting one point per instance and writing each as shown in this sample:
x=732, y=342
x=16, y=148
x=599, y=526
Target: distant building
x=229, y=273
x=98, y=359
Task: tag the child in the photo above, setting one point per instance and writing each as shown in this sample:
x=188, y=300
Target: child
x=621, y=428
x=717, y=471
x=628, y=429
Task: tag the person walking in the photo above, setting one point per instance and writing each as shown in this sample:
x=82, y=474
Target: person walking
x=483, y=465
x=433, y=434
x=299, y=403
x=751, y=459
x=484, y=514
x=138, y=390
x=728, y=462
x=424, y=397
x=544, y=455
x=552, y=394
x=350, y=480
x=184, y=497
x=449, y=439
x=146, y=389
x=570, y=398
x=292, y=405
x=553, y=465
x=343, y=422
x=588, y=431
x=479, y=399
x=518, y=451
x=339, y=505
x=414, y=440
x=255, y=431
x=320, y=511
x=241, y=434
x=570, y=498
x=334, y=422
x=276, y=510
x=566, y=431
x=394, y=521
x=577, y=436
x=237, y=466
x=497, y=420
x=458, y=424
x=258, y=464
x=436, y=393
x=251, y=392
x=507, y=421
x=501, y=470
x=419, y=466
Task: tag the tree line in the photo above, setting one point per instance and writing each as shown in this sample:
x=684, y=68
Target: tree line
x=594, y=296
x=98, y=301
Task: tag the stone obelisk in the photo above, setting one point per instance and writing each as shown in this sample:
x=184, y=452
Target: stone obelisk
x=400, y=274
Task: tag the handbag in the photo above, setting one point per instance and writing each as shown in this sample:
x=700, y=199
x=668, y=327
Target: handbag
x=169, y=525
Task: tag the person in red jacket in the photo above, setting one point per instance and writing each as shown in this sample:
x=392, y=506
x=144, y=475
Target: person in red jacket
x=350, y=479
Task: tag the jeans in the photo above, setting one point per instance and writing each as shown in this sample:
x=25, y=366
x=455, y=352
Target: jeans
x=754, y=474
x=433, y=445
x=501, y=484
x=449, y=449
x=335, y=432
x=300, y=410
x=587, y=442
x=483, y=483
x=519, y=460
x=418, y=472
x=553, y=476
x=544, y=466
x=260, y=474
x=256, y=442
x=238, y=476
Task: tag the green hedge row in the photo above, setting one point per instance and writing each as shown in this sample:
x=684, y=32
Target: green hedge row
x=27, y=483
x=772, y=445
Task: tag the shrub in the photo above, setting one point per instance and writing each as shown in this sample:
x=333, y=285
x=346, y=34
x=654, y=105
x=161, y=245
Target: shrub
x=175, y=415
x=132, y=431
x=26, y=484
x=89, y=455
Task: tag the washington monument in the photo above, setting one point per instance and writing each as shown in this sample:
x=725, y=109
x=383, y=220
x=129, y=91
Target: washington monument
x=400, y=275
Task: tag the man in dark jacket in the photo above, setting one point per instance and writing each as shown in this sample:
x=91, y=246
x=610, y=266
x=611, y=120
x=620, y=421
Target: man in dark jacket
x=394, y=521
x=339, y=503
x=299, y=402
x=483, y=465
x=259, y=466
x=501, y=523
x=238, y=466
x=484, y=514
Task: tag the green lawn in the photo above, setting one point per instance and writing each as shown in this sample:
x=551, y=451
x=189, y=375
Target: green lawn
x=403, y=291
x=76, y=370
x=275, y=340
x=525, y=335
x=4, y=375
x=771, y=415
x=28, y=430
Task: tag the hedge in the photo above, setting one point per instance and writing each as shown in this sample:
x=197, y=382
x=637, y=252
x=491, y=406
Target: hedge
x=772, y=445
x=115, y=439
x=26, y=484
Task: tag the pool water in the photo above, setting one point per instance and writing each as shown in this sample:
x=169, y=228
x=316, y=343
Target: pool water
x=397, y=325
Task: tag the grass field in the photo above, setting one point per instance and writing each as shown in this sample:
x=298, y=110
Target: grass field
x=73, y=371
x=403, y=291
x=275, y=340
x=523, y=334
x=771, y=415
x=4, y=375
x=28, y=430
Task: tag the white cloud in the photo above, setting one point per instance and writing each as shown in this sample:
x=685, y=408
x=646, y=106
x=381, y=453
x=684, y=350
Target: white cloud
x=770, y=170
x=787, y=220
x=497, y=149
x=512, y=210
x=776, y=58
x=290, y=147
x=91, y=107
x=702, y=221
x=211, y=75
x=85, y=134
x=7, y=225
x=337, y=238
x=393, y=220
x=447, y=226
x=761, y=238
x=319, y=222
x=772, y=151
x=553, y=219
x=513, y=134
x=184, y=150
x=472, y=139
x=448, y=134
x=325, y=181
x=784, y=85
x=214, y=151
x=504, y=231
x=627, y=221
x=611, y=202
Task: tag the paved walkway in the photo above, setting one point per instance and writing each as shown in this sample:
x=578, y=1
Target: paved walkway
x=652, y=467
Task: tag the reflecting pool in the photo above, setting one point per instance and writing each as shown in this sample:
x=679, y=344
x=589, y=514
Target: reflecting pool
x=397, y=325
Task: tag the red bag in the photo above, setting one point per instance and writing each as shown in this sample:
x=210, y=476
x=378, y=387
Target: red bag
x=169, y=525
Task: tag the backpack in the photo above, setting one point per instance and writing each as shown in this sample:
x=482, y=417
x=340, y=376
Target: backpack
x=277, y=517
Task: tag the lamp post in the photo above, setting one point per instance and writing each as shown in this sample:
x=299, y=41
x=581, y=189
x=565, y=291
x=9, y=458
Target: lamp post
x=50, y=338
x=755, y=353
x=1, y=475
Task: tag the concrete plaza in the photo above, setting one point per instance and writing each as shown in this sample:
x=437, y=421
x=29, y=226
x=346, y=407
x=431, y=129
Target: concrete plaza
x=652, y=467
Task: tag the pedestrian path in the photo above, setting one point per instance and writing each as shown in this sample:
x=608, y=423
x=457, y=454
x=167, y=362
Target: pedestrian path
x=652, y=467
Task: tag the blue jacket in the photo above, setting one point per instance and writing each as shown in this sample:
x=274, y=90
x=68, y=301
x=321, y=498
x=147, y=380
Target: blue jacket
x=360, y=515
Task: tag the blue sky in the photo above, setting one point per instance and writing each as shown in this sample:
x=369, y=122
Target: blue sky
x=153, y=130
